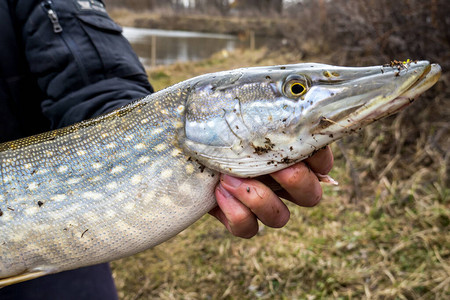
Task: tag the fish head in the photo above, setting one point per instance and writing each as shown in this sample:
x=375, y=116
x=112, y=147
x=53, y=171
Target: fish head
x=254, y=121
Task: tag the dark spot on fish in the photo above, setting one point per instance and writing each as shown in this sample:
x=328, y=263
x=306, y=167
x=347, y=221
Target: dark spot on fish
x=248, y=189
x=291, y=148
x=331, y=136
x=286, y=160
x=189, y=158
x=398, y=64
x=283, y=68
x=284, y=120
x=1, y=212
x=314, y=152
x=40, y=203
x=260, y=150
x=237, y=127
x=33, y=172
x=268, y=77
x=397, y=74
x=268, y=145
x=268, y=141
x=201, y=168
x=84, y=232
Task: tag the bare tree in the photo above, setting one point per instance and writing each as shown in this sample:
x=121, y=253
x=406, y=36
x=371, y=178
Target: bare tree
x=223, y=6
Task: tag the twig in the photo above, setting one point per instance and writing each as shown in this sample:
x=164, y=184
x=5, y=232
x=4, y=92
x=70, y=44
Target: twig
x=353, y=173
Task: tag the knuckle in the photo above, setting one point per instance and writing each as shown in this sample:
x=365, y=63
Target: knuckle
x=255, y=197
x=240, y=218
x=301, y=171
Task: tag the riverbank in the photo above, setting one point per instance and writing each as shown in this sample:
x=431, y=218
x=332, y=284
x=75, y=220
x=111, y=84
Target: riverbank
x=269, y=27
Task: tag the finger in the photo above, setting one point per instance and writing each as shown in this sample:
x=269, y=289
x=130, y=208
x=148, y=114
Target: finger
x=300, y=184
x=219, y=215
x=322, y=161
x=236, y=217
x=260, y=199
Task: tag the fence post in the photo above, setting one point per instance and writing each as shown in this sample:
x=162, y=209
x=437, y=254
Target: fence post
x=153, y=52
x=252, y=40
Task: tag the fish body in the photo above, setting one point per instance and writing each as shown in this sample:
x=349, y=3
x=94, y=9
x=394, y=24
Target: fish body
x=126, y=181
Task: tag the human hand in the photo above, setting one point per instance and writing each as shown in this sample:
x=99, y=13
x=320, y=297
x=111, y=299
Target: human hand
x=241, y=202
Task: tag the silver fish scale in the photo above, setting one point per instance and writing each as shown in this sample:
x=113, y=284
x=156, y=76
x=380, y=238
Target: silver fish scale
x=93, y=181
x=207, y=103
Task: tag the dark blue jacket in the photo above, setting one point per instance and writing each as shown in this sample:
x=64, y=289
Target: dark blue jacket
x=62, y=61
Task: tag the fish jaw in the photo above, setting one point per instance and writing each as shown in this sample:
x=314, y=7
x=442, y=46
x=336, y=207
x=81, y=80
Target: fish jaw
x=418, y=77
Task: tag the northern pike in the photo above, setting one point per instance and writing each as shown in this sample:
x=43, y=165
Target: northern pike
x=126, y=181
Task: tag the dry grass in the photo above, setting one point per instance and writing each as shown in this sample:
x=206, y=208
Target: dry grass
x=383, y=238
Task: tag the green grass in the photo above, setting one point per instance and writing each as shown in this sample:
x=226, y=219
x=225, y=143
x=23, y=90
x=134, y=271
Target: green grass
x=390, y=242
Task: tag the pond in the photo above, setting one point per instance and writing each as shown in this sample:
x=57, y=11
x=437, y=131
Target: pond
x=163, y=47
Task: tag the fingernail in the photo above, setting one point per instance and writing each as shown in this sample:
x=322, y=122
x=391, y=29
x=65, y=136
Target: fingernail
x=230, y=180
x=327, y=179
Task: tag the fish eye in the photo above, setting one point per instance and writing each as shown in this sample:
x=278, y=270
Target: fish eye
x=295, y=86
x=297, y=89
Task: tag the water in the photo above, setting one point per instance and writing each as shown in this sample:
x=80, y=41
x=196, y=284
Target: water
x=179, y=46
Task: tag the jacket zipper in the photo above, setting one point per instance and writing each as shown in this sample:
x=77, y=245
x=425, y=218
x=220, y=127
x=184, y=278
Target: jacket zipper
x=53, y=17
x=73, y=48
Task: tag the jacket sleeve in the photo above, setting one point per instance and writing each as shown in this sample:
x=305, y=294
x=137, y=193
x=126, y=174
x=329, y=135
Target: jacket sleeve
x=80, y=59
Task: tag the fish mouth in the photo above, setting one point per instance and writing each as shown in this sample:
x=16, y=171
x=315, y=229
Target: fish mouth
x=428, y=78
x=414, y=79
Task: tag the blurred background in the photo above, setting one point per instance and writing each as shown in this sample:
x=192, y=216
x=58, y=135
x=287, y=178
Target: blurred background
x=383, y=232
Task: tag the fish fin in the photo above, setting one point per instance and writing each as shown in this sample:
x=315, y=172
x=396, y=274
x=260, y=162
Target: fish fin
x=21, y=277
